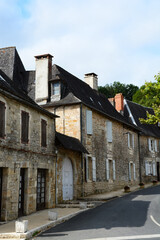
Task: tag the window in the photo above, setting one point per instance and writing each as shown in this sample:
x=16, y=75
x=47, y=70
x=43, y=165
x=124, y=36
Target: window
x=2, y=119
x=152, y=144
x=130, y=140
x=24, y=126
x=55, y=88
x=150, y=168
x=90, y=168
x=43, y=133
x=109, y=131
x=89, y=121
x=110, y=170
x=132, y=171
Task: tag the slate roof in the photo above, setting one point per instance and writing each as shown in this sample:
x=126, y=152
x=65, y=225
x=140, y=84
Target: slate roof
x=75, y=90
x=139, y=111
x=69, y=143
x=9, y=88
x=12, y=66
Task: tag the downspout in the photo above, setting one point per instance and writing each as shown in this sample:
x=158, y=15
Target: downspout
x=82, y=163
x=140, y=165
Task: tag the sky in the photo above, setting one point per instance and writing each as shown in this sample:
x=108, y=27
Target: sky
x=119, y=40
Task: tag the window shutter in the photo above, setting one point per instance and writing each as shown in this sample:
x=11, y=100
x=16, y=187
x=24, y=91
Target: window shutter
x=87, y=168
x=24, y=126
x=154, y=168
x=89, y=121
x=2, y=119
x=146, y=168
x=94, y=168
x=109, y=131
x=43, y=133
x=114, y=170
x=129, y=171
x=134, y=171
x=149, y=144
x=132, y=140
x=155, y=145
x=107, y=169
x=129, y=140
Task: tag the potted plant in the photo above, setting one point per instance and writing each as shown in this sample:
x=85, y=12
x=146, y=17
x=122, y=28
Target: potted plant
x=126, y=189
x=141, y=184
x=154, y=182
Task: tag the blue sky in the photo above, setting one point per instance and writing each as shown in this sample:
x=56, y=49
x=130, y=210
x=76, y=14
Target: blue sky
x=117, y=39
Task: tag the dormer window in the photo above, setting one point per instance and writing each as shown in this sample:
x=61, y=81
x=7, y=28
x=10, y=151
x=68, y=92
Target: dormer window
x=55, y=88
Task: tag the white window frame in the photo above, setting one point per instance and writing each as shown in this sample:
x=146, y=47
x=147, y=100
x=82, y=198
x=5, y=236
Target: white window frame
x=152, y=145
x=148, y=168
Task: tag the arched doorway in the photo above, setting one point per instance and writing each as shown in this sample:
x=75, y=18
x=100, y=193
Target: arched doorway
x=67, y=179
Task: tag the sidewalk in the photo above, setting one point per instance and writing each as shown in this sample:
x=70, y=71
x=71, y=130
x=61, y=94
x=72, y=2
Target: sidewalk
x=38, y=221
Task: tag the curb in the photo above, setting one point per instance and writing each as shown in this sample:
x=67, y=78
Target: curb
x=33, y=232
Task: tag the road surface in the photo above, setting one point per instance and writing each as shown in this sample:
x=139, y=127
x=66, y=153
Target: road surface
x=134, y=216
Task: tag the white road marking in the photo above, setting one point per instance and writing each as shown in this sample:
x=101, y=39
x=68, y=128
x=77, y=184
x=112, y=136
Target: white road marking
x=127, y=237
x=152, y=218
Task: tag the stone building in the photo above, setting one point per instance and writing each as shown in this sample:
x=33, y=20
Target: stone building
x=60, y=160
x=149, y=141
x=27, y=158
x=149, y=137
x=111, y=141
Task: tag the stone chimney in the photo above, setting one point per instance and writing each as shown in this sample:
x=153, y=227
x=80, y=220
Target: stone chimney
x=92, y=80
x=43, y=75
x=119, y=104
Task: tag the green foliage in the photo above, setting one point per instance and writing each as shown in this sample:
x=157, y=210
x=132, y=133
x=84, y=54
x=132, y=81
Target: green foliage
x=128, y=90
x=149, y=96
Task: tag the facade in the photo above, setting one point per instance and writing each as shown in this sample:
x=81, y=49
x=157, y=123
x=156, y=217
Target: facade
x=149, y=141
x=94, y=149
x=88, y=116
x=27, y=159
x=149, y=137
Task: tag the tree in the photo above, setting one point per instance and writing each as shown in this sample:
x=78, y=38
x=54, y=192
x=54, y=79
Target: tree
x=111, y=90
x=149, y=96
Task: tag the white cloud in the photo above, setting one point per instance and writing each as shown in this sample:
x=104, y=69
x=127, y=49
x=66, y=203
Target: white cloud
x=118, y=40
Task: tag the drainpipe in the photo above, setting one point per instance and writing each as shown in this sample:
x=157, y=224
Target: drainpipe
x=82, y=164
x=56, y=152
x=140, y=165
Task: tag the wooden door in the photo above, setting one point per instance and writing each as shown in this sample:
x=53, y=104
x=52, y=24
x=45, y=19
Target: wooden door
x=67, y=179
x=21, y=193
x=41, y=188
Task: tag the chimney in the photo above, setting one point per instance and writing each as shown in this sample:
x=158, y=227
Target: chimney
x=92, y=80
x=119, y=105
x=43, y=75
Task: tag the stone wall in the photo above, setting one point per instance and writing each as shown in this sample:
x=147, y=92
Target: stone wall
x=148, y=156
x=118, y=150
x=31, y=156
x=68, y=122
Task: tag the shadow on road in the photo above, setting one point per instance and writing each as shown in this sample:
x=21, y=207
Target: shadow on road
x=121, y=212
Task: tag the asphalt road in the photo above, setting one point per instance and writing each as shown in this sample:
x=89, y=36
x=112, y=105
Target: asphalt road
x=134, y=216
